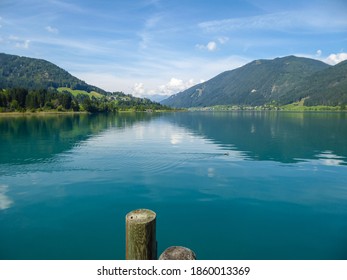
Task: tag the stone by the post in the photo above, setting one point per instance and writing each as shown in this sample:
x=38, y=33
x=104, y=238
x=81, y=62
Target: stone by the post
x=177, y=253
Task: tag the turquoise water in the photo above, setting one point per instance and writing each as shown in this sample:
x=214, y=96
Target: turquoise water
x=237, y=185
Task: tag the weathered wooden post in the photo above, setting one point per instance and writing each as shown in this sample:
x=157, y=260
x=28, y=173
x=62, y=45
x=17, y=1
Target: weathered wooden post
x=141, y=242
x=177, y=253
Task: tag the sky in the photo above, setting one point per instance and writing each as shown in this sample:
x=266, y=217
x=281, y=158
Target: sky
x=148, y=47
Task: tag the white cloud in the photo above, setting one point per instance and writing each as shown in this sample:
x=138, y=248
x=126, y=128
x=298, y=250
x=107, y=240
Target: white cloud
x=257, y=22
x=223, y=40
x=138, y=89
x=175, y=85
x=335, y=58
x=285, y=21
x=51, y=29
x=210, y=46
x=332, y=59
x=23, y=45
x=164, y=77
x=18, y=42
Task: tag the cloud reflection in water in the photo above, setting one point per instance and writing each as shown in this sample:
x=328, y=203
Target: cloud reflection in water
x=5, y=201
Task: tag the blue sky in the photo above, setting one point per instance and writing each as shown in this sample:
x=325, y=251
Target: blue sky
x=146, y=47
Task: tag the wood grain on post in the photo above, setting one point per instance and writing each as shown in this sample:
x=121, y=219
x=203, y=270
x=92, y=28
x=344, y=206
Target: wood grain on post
x=141, y=242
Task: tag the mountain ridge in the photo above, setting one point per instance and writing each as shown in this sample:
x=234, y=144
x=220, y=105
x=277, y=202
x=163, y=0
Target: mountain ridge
x=30, y=84
x=281, y=81
x=34, y=73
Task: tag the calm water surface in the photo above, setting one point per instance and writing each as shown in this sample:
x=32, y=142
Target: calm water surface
x=240, y=185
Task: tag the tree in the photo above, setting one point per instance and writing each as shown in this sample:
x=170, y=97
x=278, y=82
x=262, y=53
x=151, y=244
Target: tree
x=89, y=106
x=65, y=100
x=41, y=97
x=31, y=101
x=14, y=105
x=75, y=106
x=19, y=94
x=3, y=99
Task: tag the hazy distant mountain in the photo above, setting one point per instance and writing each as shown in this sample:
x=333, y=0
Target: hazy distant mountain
x=281, y=80
x=156, y=97
x=32, y=73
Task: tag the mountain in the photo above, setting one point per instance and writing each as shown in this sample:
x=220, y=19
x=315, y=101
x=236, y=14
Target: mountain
x=32, y=73
x=156, y=97
x=281, y=81
x=29, y=84
x=327, y=87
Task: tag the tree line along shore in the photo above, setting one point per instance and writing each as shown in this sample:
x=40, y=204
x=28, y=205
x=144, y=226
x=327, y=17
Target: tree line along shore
x=22, y=100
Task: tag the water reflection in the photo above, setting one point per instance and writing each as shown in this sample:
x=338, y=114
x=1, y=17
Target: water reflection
x=35, y=138
x=272, y=180
x=5, y=201
x=278, y=136
x=330, y=159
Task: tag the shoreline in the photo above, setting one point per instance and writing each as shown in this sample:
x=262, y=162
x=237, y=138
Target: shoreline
x=285, y=108
x=39, y=113
x=43, y=113
x=194, y=109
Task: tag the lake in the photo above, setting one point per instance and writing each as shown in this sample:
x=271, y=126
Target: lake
x=228, y=185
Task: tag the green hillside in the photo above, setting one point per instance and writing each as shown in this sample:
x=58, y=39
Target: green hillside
x=29, y=84
x=32, y=73
x=327, y=87
x=278, y=81
x=77, y=92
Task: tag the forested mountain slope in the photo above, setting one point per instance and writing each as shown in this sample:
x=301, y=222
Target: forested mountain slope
x=280, y=81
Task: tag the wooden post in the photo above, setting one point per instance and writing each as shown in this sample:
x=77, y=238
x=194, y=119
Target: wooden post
x=177, y=253
x=141, y=242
